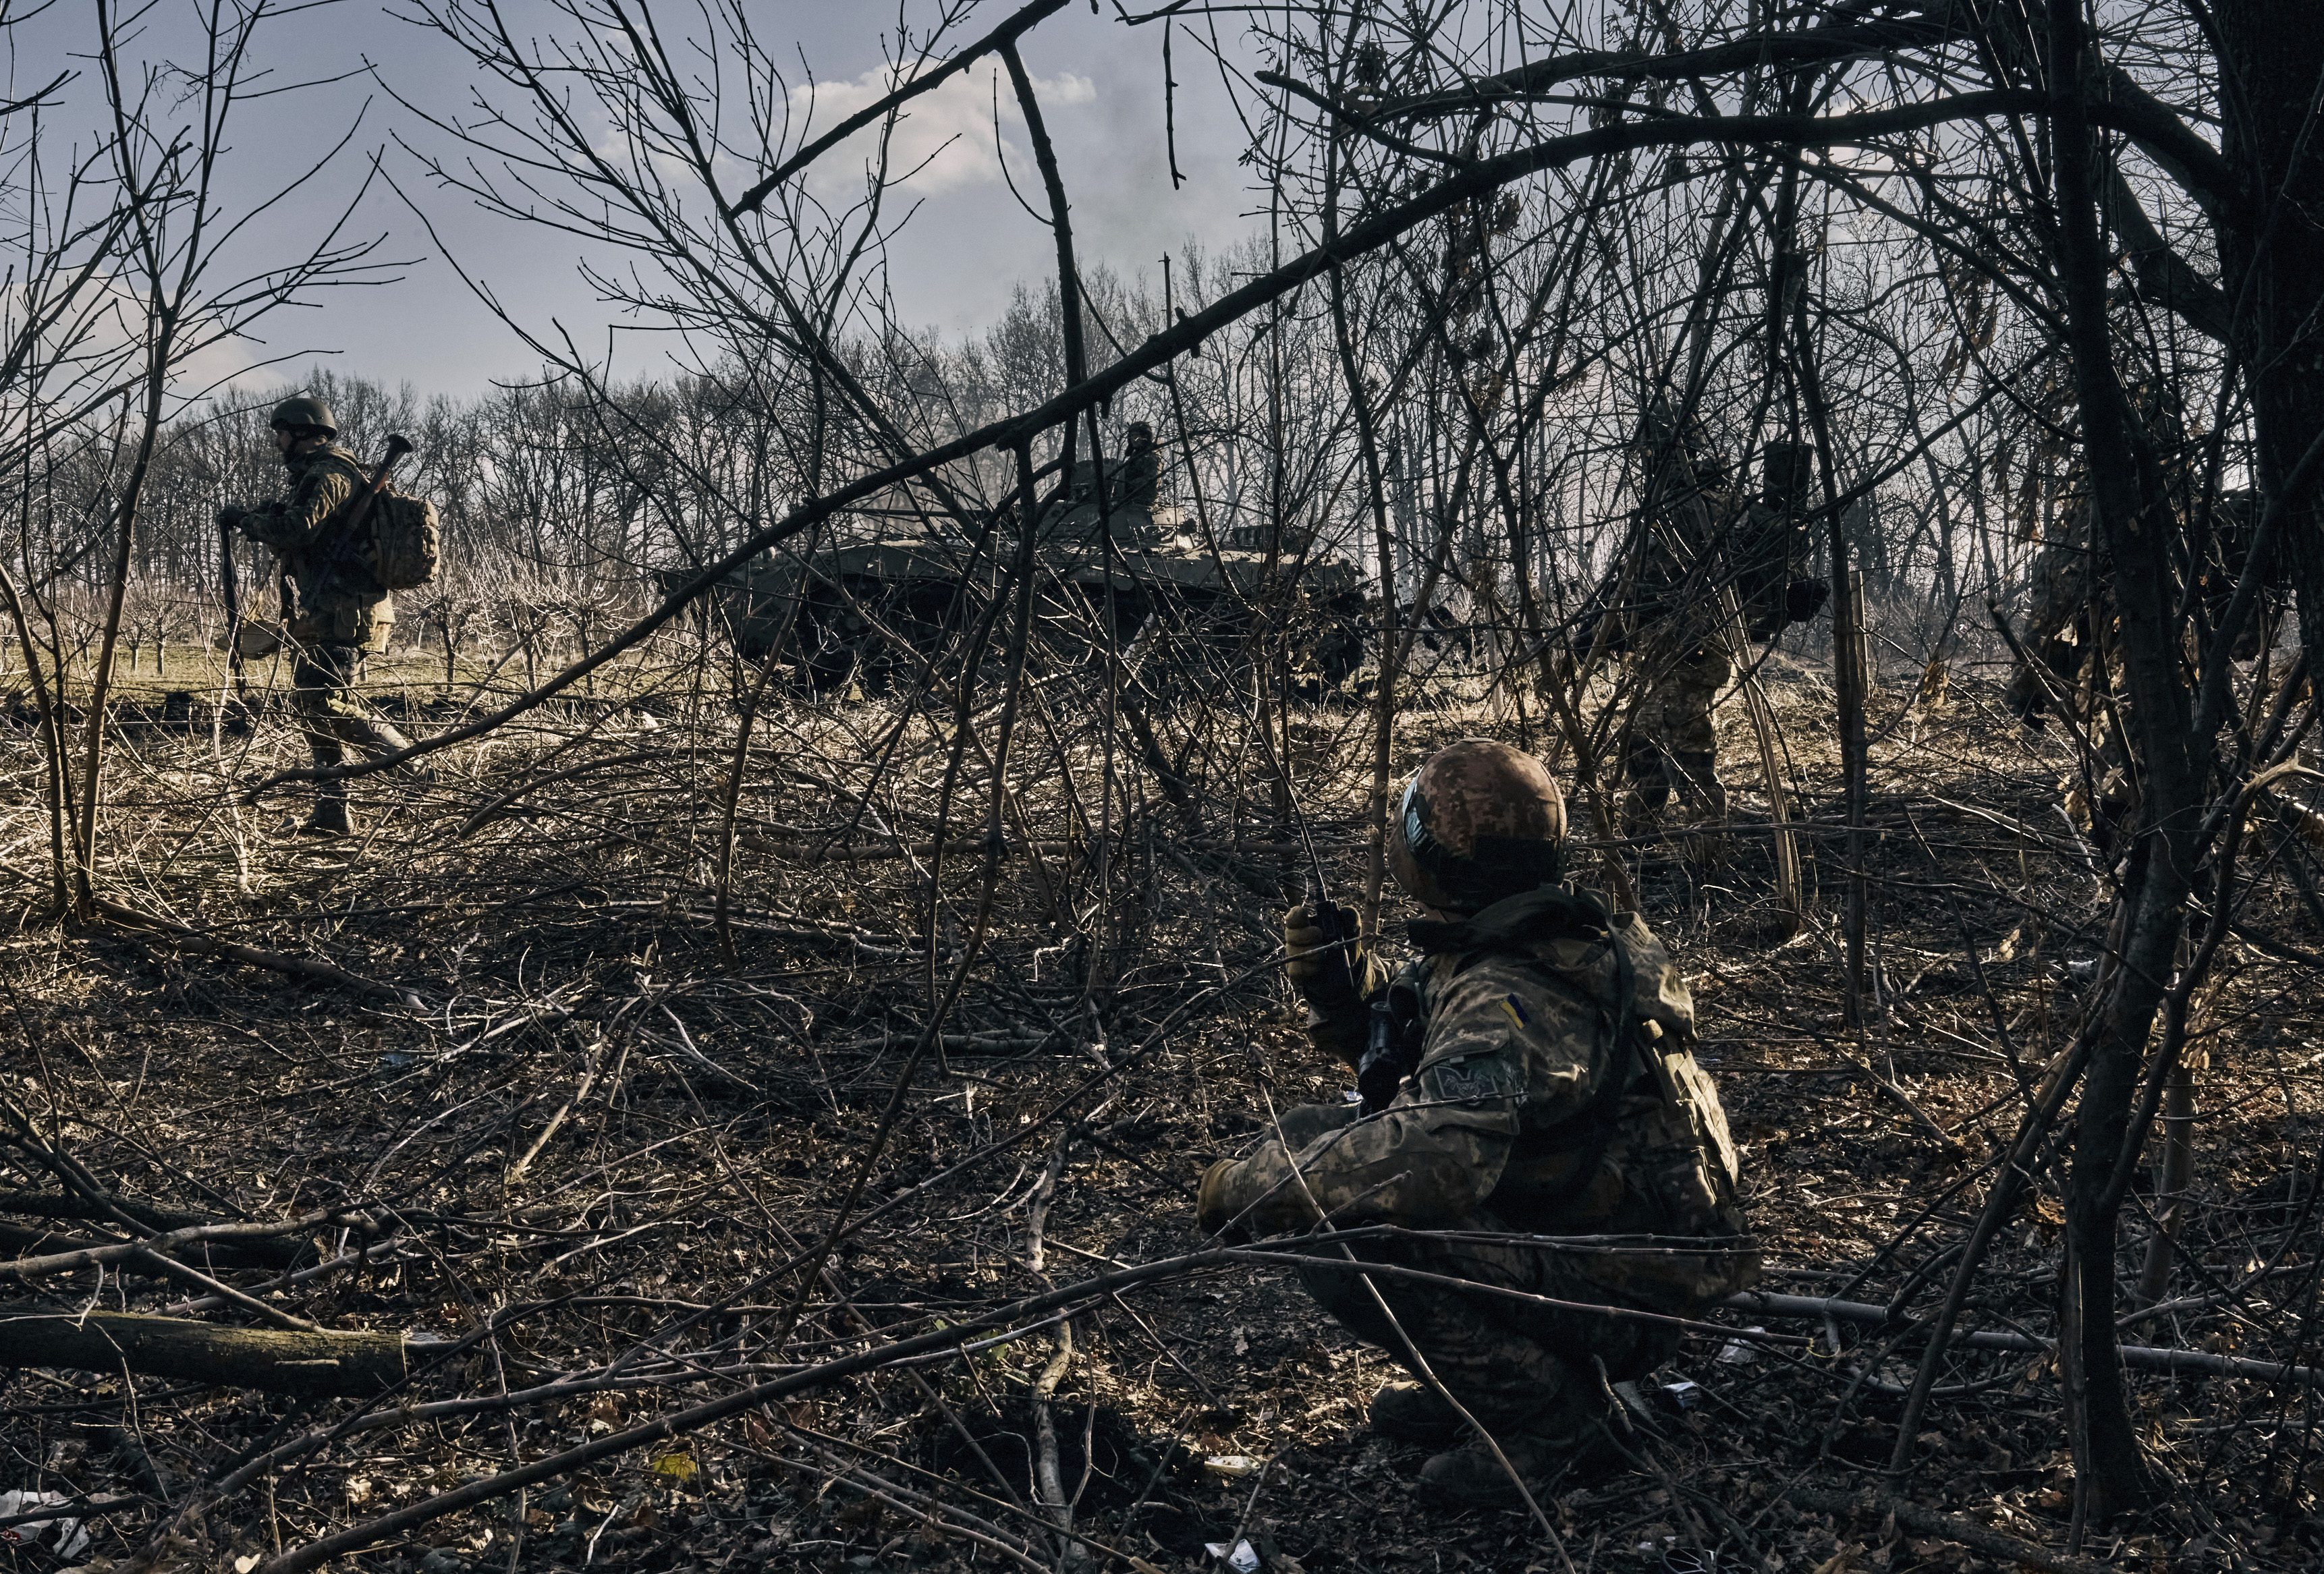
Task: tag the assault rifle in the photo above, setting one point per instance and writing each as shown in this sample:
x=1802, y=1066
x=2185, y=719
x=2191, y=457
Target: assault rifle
x=1392, y=1046
x=233, y=599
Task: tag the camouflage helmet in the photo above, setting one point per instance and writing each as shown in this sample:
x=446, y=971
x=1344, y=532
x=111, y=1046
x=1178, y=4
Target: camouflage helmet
x=304, y=411
x=1478, y=821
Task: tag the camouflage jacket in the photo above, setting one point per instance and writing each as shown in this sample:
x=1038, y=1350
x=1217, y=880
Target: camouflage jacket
x=303, y=527
x=1541, y=1103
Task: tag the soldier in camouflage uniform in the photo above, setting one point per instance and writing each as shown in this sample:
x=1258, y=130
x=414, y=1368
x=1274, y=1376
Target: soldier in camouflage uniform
x=1549, y=1091
x=342, y=613
x=1701, y=541
x=2063, y=617
x=1141, y=469
x=1681, y=645
x=2062, y=654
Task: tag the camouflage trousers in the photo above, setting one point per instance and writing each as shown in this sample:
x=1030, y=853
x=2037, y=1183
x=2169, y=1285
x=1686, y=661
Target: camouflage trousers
x=1517, y=1367
x=1675, y=738
x=324, y=680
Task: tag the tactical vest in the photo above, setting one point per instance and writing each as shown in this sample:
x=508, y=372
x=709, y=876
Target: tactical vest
x=1547, y=1016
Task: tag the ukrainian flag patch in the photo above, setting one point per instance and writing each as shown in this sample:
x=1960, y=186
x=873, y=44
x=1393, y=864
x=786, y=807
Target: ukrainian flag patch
x=1514, y=1009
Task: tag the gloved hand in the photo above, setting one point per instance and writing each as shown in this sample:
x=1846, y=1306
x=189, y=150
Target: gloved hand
x=230, y=516
x=1303, y=932
x=1214, y=1201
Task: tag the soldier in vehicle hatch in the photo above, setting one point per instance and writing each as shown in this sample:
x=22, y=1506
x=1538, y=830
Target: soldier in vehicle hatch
x=1527, y=1074
x=342, y=614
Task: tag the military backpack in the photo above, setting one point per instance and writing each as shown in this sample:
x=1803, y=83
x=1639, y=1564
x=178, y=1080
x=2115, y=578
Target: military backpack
x=1537, y=972
x=406, y=542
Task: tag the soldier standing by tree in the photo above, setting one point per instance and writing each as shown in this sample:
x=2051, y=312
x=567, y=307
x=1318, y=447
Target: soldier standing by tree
x=1699, y=544
x=342, y=613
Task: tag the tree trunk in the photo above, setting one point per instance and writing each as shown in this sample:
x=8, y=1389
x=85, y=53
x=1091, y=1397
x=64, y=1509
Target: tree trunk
x=2271, y=58
x=279, y=1252
x=275, y=1360
x=2135, y=528
x=2172, y=1177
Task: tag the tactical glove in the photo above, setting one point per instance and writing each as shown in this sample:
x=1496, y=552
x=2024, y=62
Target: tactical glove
x=1333, y=983
x=1316, y=972
x=229, y=516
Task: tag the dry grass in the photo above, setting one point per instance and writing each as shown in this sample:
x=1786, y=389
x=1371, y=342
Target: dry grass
x=707, y=1118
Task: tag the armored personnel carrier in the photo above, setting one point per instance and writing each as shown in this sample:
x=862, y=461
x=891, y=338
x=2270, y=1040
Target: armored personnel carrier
x=1119, y=561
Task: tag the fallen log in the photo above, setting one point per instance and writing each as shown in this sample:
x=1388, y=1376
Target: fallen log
x=278, y=1360
x=203, y=1238
x=273, y=1252
x=158, y=931
x=25, y=1241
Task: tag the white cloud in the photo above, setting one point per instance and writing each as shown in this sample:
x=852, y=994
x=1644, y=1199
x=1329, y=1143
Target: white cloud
x=943, y=139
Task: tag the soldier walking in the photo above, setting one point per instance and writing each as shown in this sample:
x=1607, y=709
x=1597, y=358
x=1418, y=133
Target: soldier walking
x=342, y=613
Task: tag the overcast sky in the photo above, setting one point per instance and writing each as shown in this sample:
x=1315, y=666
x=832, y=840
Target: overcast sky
x=953, y=267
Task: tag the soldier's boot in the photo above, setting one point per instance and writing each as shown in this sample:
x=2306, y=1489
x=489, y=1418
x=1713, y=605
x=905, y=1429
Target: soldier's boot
x=1552, y=1453
x=385, y=737
x=1414, y=1412
x=1643, y=806
x=1698, y=771
x=1700, y=768
x=329, y=817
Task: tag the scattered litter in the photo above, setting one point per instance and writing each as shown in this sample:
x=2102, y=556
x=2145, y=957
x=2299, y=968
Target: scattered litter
x=62, y=1538
x=396, y=1060
x=1234, y=1465
x=2084, y=969
x=1738, y=1352
x=1686, y=1395
x=1243, y=1557
x=1349, y=1096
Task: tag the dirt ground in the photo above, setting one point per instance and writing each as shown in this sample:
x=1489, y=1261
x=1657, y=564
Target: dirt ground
x=598, y=1151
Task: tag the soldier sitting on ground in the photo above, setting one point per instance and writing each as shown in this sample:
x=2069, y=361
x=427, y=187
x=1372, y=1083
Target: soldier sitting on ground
x=1527, y=1074
x=342, y=615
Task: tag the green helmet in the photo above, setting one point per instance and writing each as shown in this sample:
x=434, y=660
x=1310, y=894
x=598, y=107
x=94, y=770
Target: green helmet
x=303, y=412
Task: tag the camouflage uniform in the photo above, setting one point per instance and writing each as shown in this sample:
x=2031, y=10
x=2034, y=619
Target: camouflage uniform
x=1679, y=640
x=1141, y=469
x=2061, y=614
x=1703, y=541
x=1675, y=736
x=1543, y=1104
x=342, y=616
x=2069, y=619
